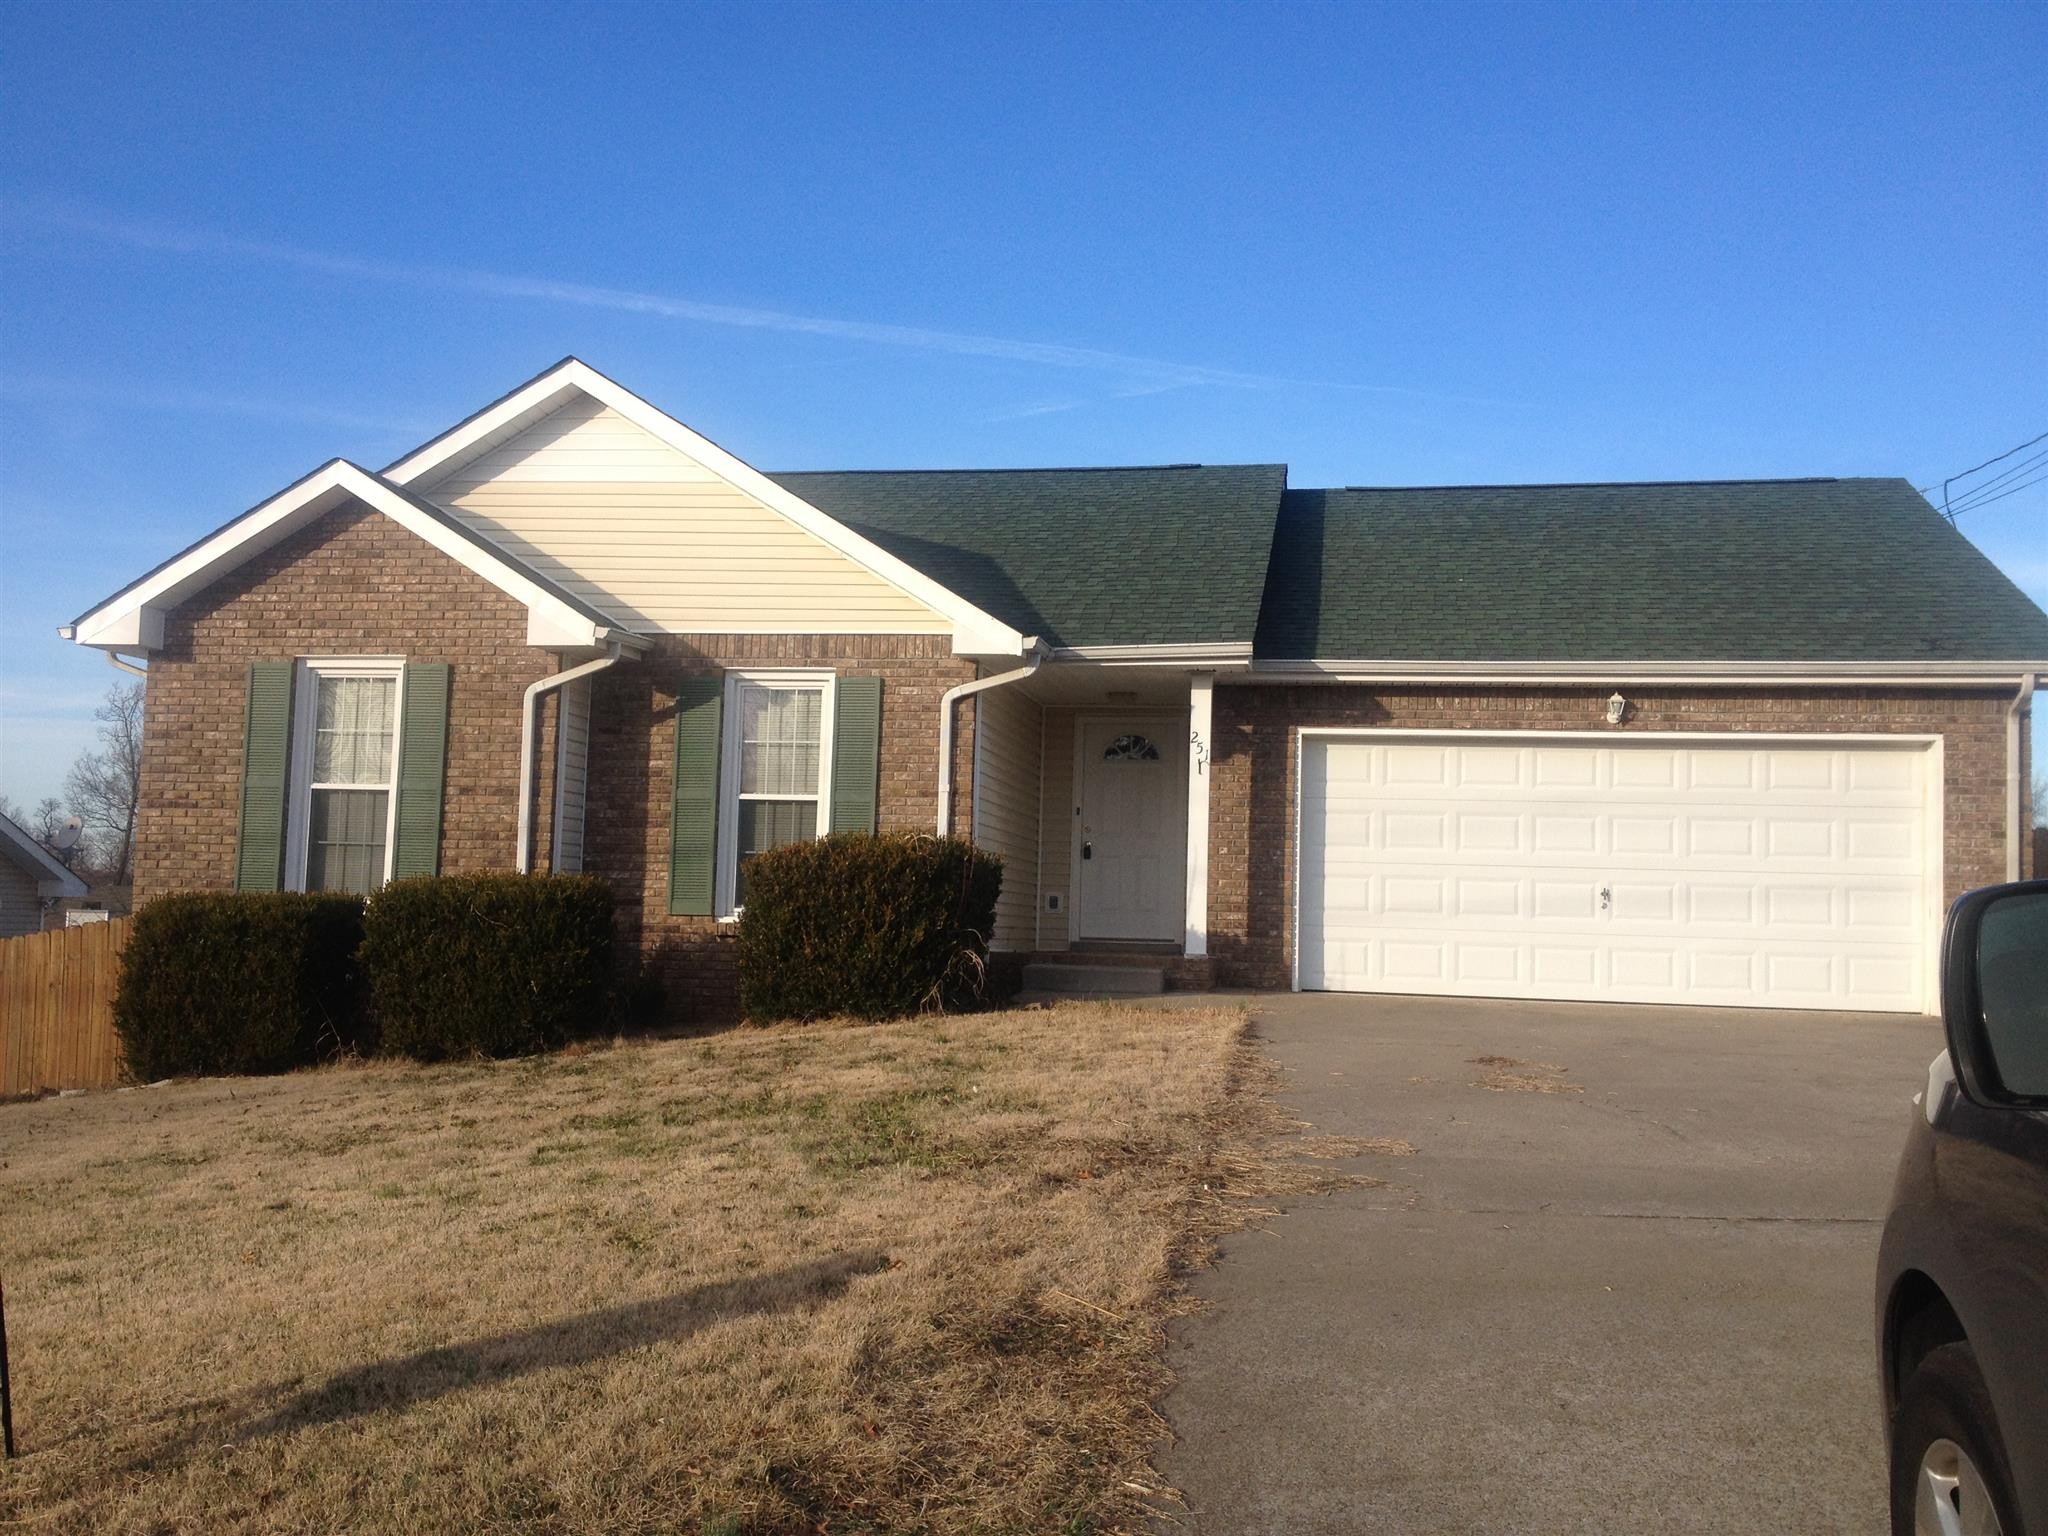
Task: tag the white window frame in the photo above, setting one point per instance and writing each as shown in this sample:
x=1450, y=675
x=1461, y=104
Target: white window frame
x=305, y=727
x=729, y=766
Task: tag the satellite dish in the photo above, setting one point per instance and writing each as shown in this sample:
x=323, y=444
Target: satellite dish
x=66, y=836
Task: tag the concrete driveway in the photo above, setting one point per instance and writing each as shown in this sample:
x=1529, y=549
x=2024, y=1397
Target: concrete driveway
x=1623, y=1284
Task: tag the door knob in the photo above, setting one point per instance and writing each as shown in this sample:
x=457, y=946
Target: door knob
x=1087, y=850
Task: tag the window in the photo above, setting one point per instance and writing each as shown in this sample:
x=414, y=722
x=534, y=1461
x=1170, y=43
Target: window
x=778, y=750
x=344, y=775
x=1130, y=749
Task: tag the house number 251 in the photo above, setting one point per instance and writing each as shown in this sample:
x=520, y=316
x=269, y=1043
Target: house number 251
x=1201, y=751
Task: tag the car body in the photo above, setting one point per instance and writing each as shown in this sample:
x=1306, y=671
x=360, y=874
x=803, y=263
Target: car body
x=1962, y=1284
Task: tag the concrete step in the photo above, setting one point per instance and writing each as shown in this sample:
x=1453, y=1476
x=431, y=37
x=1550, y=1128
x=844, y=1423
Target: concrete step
x=1079, y=979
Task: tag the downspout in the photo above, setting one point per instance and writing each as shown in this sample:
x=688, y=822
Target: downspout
x=1033, y=657
x=529, y=719
x=2015, y=790
x=125, y=666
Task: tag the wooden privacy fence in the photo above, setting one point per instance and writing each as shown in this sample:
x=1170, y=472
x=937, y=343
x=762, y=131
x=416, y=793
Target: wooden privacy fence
x=57, y=1007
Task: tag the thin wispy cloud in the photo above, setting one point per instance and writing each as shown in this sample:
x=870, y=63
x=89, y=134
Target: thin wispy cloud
x=30, y=389
x=1162, y=372
x=1041, y=408
x=1056, y=407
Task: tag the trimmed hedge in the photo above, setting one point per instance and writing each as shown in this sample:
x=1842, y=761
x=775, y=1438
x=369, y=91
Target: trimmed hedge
x=489, y=965
x=868, y=926
x=243, y=982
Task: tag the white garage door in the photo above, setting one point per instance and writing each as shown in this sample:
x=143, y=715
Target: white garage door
x=1786, y=876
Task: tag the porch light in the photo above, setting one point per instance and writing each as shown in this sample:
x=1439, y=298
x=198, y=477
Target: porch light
x=1617, y=706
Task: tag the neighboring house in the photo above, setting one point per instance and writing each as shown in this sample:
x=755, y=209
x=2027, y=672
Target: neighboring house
x=1733, y=742
x=31, y=881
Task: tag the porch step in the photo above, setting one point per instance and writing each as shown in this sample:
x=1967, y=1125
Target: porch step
x=1081, y=979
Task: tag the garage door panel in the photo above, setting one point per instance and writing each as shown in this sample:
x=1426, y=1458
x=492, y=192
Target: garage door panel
x=1877, y=908
x=1488, y=768
x=1489, y=832
x=1808, y=770
x=1600, y=969
x=1602, y=836
x=1762, y=876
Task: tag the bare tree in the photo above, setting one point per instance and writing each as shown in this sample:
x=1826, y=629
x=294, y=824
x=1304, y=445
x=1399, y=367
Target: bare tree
x=42, y=823
x=103, y=786
x=2040, y=788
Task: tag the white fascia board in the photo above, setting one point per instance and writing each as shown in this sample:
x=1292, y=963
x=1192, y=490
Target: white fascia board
x=133, y=620
x=1204, y=655
x=52, y=879
x=974, y=632
x=1908, y=674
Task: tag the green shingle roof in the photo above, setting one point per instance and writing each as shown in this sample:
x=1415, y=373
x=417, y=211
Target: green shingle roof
x=1143, y=556
x=1761, y=570
x=1739, y=570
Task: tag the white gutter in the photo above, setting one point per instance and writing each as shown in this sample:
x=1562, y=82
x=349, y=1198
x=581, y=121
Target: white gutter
x=1034, y=656
x=529, y=719
x=1716, y=674
x=1239, y=652
x=2015, y=788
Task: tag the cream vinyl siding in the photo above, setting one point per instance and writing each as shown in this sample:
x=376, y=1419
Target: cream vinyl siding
x=21, y=905
x=641, y=529
x=1006, y=753
x=572, y=775
x=1056, y=829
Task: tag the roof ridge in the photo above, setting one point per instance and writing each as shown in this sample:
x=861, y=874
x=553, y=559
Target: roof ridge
x=1025, y=469
x=1592, y=485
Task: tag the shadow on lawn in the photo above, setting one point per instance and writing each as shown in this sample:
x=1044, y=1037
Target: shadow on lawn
x=400, y=1383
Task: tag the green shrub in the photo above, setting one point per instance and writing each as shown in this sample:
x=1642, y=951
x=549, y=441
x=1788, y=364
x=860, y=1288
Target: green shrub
x=872, y=927
x=488, y=965
x=245, y=982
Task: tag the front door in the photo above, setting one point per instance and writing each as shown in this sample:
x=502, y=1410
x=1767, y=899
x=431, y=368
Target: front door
x=1133, y=776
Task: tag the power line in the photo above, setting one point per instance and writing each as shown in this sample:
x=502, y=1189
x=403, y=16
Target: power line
x=1975, y=494
x=1949, y=512
x=2008, y=491
x=1987, y=463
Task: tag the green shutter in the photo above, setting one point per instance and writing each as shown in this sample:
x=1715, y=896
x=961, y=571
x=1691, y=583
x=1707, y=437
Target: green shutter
x=856, y=753
x=266, y=764
x=422, y=766
x=693, y=807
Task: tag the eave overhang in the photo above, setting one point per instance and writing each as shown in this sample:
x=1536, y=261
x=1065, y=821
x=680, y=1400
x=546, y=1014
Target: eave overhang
x=1706, y=674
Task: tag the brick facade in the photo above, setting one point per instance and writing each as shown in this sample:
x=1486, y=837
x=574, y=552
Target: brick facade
x=632, y=771
x=1251, y=807
x=355, y=583
x=351, y=583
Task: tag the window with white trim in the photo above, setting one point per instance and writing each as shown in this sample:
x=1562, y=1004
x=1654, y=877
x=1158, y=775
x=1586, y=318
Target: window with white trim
x=344, y=800
x=778, y=763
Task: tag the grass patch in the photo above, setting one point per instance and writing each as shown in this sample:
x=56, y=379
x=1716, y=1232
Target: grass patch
x=842, y=1279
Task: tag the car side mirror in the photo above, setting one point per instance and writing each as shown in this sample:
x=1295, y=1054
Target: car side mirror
x=1994, y=994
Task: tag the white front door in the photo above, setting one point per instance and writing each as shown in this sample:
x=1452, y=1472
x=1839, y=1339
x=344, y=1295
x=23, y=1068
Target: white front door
x=1785, y=875
x=1133, y=826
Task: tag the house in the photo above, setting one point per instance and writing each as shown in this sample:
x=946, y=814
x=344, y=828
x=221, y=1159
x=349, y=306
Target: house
x=1733, y=742
x=31, y=880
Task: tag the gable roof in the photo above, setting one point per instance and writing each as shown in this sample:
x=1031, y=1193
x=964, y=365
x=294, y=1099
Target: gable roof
x=1189, y=562
x=132, y=619
x=1860, y=570
x=52, y=879
x=1173, y=555
x=976, y=631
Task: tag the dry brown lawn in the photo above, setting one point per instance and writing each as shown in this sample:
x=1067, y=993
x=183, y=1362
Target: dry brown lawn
x=908, y=1277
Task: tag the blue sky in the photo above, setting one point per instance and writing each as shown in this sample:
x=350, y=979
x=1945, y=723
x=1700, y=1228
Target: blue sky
x=1418, y=245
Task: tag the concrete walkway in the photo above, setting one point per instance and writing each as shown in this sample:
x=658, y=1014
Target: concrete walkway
x=1625, y=1287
